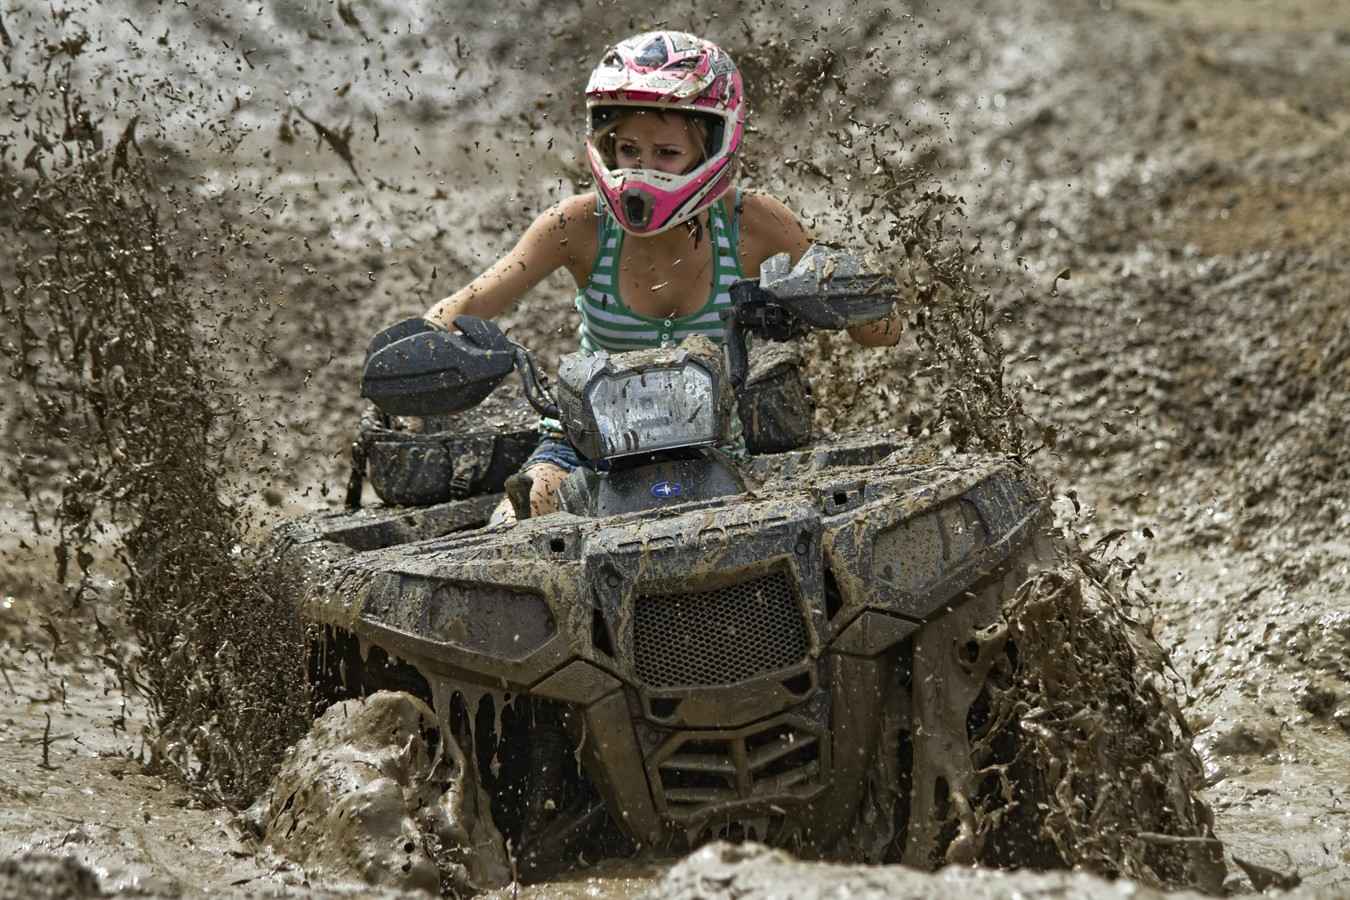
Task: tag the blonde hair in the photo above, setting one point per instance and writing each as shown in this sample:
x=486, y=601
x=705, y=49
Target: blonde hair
x=604, y=138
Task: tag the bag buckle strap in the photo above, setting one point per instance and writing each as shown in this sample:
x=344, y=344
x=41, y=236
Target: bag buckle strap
x=470, y=464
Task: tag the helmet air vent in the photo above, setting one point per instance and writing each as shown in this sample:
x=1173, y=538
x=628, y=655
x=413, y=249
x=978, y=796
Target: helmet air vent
x=637, y=207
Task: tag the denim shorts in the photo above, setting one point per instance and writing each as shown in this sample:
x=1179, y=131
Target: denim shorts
x=557, y=450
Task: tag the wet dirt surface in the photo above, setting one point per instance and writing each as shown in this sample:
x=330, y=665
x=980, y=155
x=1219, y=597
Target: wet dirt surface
x=383, y=792
x=1159, y=190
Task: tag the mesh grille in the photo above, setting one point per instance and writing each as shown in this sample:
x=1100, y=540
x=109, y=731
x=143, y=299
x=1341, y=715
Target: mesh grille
x=720, y=636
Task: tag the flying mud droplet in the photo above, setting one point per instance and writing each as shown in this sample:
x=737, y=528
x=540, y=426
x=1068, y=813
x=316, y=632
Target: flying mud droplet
x=1063, y=274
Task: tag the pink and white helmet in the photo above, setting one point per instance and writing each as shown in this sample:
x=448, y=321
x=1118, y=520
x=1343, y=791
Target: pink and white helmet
x=666, y=71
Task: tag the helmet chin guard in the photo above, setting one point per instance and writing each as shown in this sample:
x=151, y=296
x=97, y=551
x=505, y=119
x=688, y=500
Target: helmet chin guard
x=666, y=72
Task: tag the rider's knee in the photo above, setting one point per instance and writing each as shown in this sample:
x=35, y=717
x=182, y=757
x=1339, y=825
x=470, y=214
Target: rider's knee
x=544, y=489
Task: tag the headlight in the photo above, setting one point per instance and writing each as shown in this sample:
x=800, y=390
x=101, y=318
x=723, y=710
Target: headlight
x=656, y=409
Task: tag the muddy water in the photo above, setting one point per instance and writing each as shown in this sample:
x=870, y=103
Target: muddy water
x=1181, y=164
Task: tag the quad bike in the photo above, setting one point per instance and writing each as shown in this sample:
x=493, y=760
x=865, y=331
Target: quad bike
x=695, y=646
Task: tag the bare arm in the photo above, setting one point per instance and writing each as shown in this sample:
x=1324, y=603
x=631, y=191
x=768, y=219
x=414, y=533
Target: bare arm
x=556, y=239
x=882, y=333
x=768, y=228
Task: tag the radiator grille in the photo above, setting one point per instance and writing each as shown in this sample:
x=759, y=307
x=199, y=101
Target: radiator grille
x=718, y=636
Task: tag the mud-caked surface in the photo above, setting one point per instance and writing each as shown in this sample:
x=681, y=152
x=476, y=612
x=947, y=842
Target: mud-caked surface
x=753, y=871
x=374, y=794
x=1151, y=194
x=45, y=877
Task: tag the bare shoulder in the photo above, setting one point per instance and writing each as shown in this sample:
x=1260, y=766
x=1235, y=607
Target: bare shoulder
x=757, y=206
x=570, y=216
x=568, y=226
x=578, y=207
x=768, y=227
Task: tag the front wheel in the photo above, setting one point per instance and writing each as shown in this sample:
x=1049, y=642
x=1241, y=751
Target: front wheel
x=1044, y=733
x=962, y=750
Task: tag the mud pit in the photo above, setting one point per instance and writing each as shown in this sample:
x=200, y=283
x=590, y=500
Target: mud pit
x=1181, y=164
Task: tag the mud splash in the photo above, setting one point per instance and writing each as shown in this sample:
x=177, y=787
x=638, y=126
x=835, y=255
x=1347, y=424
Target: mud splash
x=378, y=793
x=1096, y=699
x=114, y=385
x=873, y=182
x=1045, y=734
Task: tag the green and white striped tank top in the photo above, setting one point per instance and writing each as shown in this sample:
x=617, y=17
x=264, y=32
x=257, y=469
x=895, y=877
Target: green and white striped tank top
x=608, y=324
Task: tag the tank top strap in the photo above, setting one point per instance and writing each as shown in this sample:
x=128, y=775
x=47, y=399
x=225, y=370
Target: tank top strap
x=735, y=230
x=725, y=231
x=607, y=235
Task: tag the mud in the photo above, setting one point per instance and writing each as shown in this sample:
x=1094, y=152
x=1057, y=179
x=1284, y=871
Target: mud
x=1156, y=191
x=114, y=386
x=59, y=877
x=754, y=871
x=376, y=793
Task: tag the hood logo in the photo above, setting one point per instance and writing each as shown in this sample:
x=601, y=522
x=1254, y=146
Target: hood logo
x=667, y=490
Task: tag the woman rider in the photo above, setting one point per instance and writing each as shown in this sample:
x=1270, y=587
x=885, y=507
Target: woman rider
x=655, y=247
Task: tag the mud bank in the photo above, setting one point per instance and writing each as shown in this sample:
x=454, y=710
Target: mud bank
x=375, y=793
x=754, y=871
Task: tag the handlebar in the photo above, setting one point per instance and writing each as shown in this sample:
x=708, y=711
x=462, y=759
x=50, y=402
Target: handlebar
x=416, y=368
x=826, y=290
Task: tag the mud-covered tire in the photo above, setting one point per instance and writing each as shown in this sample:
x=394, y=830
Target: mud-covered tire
x=971, y=637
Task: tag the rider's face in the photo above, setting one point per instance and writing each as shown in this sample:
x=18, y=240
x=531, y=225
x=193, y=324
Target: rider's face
x=646, y=140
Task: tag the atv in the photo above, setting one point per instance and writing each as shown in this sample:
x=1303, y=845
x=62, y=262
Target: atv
x=696, y=646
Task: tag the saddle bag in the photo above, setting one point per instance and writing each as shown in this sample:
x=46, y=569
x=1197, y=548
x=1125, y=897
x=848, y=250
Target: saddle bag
x=436, y=464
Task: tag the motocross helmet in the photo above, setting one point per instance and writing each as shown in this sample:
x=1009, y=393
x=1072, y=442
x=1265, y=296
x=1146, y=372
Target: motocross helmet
x=665, y=71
